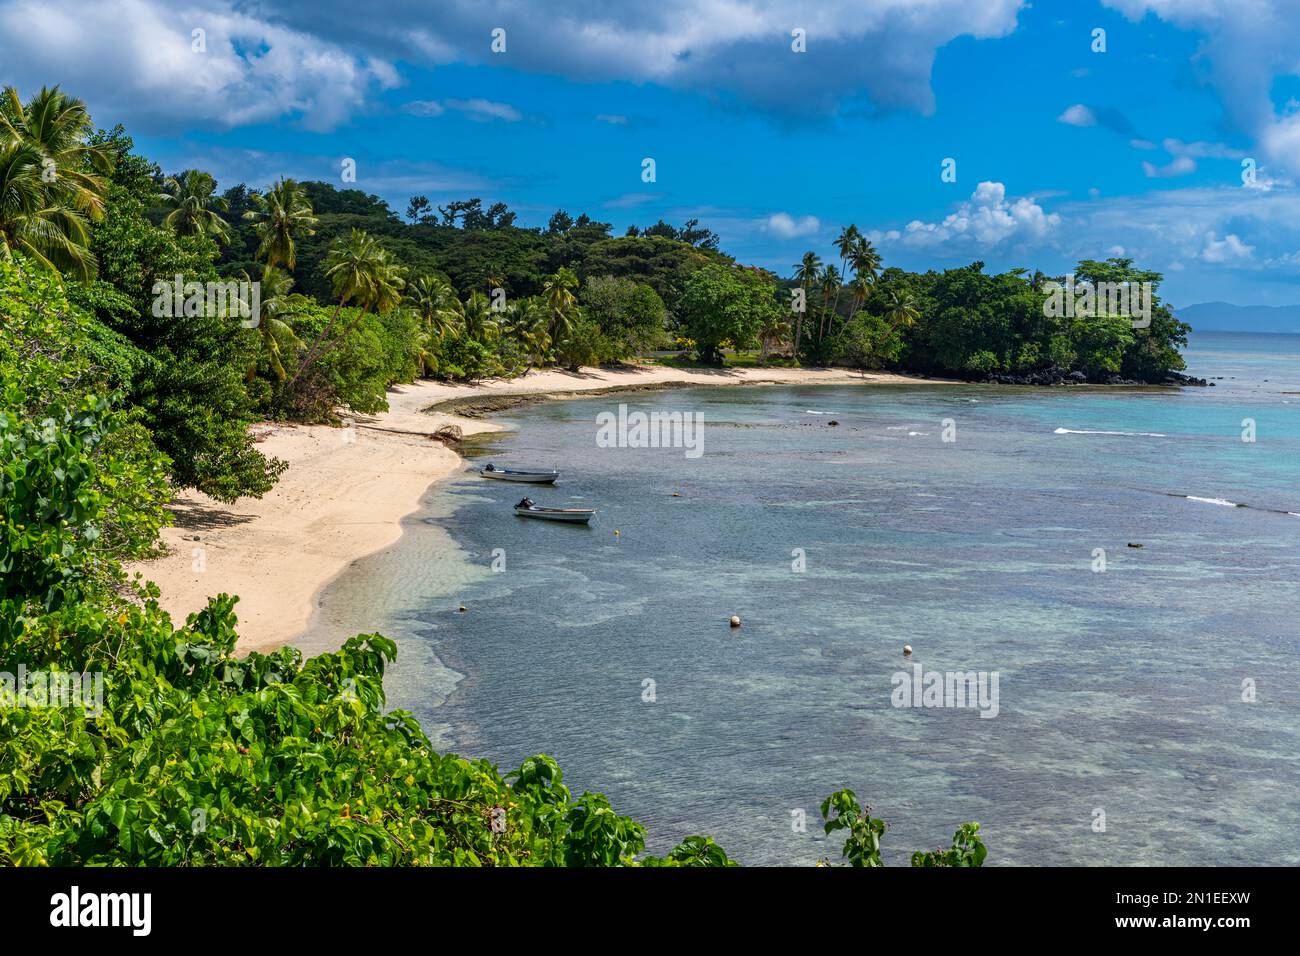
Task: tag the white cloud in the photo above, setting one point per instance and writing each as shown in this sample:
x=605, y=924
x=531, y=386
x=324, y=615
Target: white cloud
x=784, y=226
x=1180, y=166
x=475, y=109
x=988, y=218
x=1213, y=234
x=613, y=119
x=878, y=53
x=1078, y=115
x=480, y=109
x=136, y=59
x=1228, y=249
x=1200, y=150
x=424, y=108
x=1247, y=44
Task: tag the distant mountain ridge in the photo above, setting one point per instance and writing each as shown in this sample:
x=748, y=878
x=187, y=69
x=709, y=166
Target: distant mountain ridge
x=1226, y=317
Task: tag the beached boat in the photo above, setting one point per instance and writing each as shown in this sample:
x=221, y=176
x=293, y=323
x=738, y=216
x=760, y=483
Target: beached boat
x=527, y=477
x=528, y=509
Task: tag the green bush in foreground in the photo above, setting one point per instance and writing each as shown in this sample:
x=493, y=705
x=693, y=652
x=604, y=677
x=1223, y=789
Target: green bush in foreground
x=862, y=842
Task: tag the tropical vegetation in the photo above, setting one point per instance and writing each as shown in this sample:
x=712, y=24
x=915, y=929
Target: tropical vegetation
x=118, y=392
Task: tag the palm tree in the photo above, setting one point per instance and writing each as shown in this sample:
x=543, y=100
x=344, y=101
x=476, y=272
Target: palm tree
x=479, y=319
x=805, y=273
x=528, y=323
x=557, y=290
x=830, y=286
x=275, y=333
x=861, y=289
x=866, y=269
x=440, y=314
x=435, y=302
x=58, y=125
x=53, y=237
x=51, y=182
x=281, y=212
x=846, y=243
x=193, y=206
x=900, y=309
x=360, y=271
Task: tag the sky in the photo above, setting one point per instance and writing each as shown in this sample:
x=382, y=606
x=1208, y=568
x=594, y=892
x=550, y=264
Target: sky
x=1167, y=131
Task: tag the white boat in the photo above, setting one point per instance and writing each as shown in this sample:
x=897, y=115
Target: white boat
x=528, y=477
x=527, y=509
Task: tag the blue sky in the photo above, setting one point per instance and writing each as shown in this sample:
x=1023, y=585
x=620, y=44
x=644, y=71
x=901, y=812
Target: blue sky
x=1061, y=152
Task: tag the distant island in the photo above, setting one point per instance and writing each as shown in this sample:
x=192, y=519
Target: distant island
x=1226, y=317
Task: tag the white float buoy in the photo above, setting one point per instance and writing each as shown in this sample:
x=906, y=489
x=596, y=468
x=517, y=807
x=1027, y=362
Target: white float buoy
x=907, y=650
x=735, y=621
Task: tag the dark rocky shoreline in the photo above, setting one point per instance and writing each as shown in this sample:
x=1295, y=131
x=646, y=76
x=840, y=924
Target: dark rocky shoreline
x=1059, y=376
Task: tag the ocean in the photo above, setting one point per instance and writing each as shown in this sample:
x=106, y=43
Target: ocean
x=1147, y=699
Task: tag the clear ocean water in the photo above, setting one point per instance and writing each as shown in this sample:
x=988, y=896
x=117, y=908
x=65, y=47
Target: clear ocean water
x=1120, y=691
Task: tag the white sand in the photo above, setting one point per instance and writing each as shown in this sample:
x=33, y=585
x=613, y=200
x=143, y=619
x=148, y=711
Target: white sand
x=347, y=489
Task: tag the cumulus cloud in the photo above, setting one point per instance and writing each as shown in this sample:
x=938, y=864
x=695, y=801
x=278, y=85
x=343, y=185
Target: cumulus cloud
x=1078, y=115
x=875, y=51
x=1107, y=117
x=1228, y=249
x=987, y=219
x=1247, y=44
x=144, y=60
x=1209, y=229
x=785, y=226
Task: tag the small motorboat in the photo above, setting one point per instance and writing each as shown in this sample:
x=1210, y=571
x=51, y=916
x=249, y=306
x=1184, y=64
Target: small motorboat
x=528, y=477
x=529, y=509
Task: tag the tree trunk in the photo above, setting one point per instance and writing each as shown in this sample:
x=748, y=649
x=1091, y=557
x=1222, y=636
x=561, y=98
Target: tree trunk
x=311, y=351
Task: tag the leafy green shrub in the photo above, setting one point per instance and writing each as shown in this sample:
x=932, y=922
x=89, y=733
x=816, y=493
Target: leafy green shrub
x=465, y=359
x=841, y=811
x=726, y=304
x=866, y=341
x=629, y=315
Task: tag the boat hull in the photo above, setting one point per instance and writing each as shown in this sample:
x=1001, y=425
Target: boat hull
x=524, y=477
x=566, y=515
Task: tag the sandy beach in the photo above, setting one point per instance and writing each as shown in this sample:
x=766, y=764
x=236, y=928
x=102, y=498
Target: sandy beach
x=346, y=490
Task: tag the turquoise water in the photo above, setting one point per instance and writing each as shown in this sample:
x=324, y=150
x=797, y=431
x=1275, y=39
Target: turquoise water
x=1120, y=690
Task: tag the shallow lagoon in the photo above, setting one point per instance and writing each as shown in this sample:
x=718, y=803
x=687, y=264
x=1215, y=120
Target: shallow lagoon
x=1120, y=690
